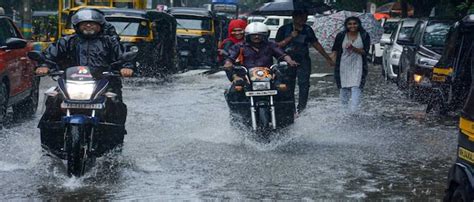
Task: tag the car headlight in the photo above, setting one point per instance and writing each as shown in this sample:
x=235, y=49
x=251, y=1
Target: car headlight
x=134, y=49
x=261, y=86
x=80, y=91
x=202, y=40
x=425, y=62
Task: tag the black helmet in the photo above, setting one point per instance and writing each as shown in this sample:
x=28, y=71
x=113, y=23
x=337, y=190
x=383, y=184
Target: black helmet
x=88, y=15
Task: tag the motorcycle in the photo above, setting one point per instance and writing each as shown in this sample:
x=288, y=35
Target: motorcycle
x=266, y=98
x=85, y=105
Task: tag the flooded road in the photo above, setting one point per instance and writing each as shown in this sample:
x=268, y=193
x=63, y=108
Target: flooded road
x=181, y=146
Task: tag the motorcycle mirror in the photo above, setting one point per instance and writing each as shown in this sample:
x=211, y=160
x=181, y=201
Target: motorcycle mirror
x=36, y=56
x=283, y=63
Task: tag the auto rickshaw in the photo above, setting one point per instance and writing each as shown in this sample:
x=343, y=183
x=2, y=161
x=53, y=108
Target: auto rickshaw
x=461, y=175
x=197, y=38
x=133, y=27
x=451, y=77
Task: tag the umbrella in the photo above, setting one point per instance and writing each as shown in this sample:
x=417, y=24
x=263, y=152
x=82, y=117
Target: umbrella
x=286, y=7
x=379, y=16
x=327, y=27
x=394, y=7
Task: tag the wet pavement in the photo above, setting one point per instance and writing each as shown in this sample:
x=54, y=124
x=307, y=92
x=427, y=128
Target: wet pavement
x=181, y=146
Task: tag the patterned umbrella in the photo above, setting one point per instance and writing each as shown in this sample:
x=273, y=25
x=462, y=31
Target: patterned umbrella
x=286, y=7
x=327, y=27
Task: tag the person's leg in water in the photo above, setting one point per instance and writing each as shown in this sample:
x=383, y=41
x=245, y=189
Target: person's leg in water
x=304, y=74
x=344, y=95
x=356, y=94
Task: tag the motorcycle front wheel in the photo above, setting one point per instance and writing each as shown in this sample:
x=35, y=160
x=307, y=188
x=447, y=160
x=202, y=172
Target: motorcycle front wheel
x=76, y=154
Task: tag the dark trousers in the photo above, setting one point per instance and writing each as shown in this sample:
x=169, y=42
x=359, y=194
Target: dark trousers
x=302, y=74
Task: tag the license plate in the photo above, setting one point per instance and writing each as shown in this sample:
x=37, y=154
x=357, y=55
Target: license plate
x=439, y=78
x=81, y=106
x=261, y=93
x=466, y=155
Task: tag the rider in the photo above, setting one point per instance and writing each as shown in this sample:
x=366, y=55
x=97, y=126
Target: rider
x=91, y=47
x=256, y=51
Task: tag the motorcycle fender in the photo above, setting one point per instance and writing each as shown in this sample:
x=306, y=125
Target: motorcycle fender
x=76, y=120
x=184, y=53
x=456, y=172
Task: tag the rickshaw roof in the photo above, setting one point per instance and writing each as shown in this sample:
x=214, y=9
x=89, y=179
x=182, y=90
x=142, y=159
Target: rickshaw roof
x=44, y=13
x=198, y=12
x=116, y=12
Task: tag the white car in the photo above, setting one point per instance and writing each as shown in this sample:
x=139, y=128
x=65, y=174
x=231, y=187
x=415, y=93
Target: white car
x=275, y=22
x=392, y=50
x=255, y=19
x=389, y=26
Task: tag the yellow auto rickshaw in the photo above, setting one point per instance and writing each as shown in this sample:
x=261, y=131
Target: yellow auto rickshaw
x=197, y=37
x=461, y=175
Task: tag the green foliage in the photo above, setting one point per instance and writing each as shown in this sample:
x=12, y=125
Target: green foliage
x=351, y=5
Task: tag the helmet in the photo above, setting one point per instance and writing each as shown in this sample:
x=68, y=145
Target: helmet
x=88, y=15
x=256, y=28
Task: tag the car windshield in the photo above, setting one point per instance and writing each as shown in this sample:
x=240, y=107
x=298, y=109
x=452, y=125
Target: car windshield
x=435, y=34
x=389, y=27
x=193, y=23
x=405, y=32
x=129, y=27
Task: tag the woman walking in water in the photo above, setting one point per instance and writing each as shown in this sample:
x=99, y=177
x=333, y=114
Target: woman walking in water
x=350, y=50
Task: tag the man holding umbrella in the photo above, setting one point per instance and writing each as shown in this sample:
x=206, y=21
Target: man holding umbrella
x=295, y=38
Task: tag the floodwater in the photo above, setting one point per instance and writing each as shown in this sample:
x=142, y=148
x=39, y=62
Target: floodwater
x=181, y=146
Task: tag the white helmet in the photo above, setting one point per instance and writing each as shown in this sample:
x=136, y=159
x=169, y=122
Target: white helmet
x=256, y=28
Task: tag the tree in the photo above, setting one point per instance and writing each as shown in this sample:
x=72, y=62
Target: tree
x=351, y=5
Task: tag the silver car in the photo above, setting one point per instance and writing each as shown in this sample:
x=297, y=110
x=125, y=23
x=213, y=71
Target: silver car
x=392, y=50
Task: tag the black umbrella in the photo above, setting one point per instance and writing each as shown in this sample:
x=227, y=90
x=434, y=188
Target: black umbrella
x=286, y=7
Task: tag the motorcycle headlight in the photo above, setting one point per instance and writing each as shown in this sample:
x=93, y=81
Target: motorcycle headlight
x=261, y=86
x=80, y=91
x=202, y=40
x=134, y=49
x=425, y=62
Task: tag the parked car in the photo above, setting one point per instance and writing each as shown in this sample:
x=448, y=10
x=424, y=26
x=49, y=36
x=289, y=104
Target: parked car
x=275, y=22
x=255, y=19
x=451, y=78
x=389, y=26
x=18, y=85
x=392, y=50
x=421, y=51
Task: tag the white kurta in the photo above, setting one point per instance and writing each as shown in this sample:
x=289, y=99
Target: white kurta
x=351, y=63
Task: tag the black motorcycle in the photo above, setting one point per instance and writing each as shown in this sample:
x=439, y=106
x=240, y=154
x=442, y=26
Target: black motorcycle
x=264, y=99
x=85, y=105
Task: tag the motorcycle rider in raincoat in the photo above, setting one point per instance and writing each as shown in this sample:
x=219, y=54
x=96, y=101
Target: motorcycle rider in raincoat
x=89, y=46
